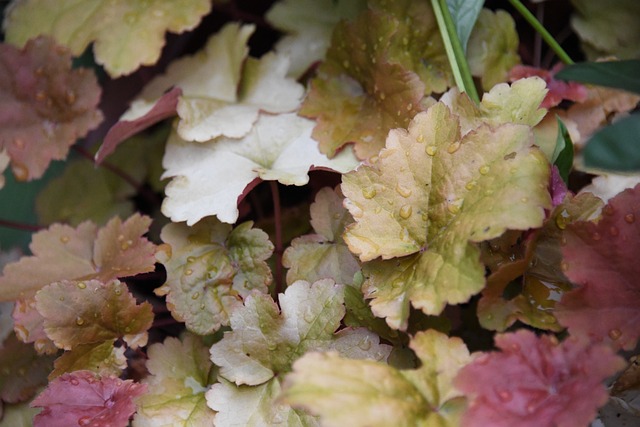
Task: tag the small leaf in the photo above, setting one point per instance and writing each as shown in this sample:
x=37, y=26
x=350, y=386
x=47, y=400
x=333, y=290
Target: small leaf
x=563, y=153
x=82, y=398
x=615, y=147
x=464, y=14
x=103, y=358
x=615, y=74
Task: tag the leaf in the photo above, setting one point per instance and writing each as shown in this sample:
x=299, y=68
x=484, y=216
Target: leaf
x=210, y=269
x=308, y=24
x=4, y=162
x=83, y=253
x=543, y=382
x=264, y=340
x=18, y=415
x=125, y=35
x=599, y=259
x=77, y=313
x=464, y=14
x=164, y=108
x=408, y=204
x=223, y=90
x=615, y=147
x=278, y=148
x=614, y=74
x=29, y=326
x=23, y=371
x=369, y=393
x=103, y=358
x=563, y=153
x=493, y=47
x=82, y=398
x=558, y=89
x=180, y=373
x=323, y=255
x=254, y=406
x=44, y=105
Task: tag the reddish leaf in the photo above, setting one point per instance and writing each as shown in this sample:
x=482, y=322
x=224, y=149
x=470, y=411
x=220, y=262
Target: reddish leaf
x=83, y=399
x=558, y=89
x=44, y=105
x=164, y=108
x=602, y=260
x=540, y=382
x=29, y=326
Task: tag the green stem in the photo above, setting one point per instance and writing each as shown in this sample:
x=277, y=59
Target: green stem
x=553, y=44
x=455, y=52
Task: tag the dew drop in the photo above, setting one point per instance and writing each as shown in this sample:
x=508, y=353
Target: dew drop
x=202, y=306
x=64, y=239
x=382, y=96
x=40, y=345
x=74, y=381
x=70, y=97
x=126, y=245
x=596, y=236
x=505, y=395
x=613, y=230
x=403, y=191
x=562, y=219
x=484, y=170
x=377, y=209
x=524, y=200
x=488, y=192
x=406, y=211
x=397, y=284
x=630, y=218
x=369, y=192
x=425, y=217
x=188, y=272
x=470, y=185
x=191, y=259
x=20, y=172
x=431, y=150
x=531, y=408
x=547, y=318
x=614, y=334
x=365, y=344
x=308, y=315
x=81, y=285
x=272, y=346
x=453, y=147
x=84, y=421
x=564, y=266
x=608, y=210
x=117, y=291
x=61, y=298
x=19, y=143
x=409, y=106
x=79, y=321
x=420, y=138
x=195, y=295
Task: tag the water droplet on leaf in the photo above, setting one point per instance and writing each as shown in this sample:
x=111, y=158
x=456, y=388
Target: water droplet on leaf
x=630, y=218
x=81, y=285
x=369, y=192
x=405, y=211
x=431, y=150
x=79, y=321
x=614, y=334
x=403, y=191
x=484, y=170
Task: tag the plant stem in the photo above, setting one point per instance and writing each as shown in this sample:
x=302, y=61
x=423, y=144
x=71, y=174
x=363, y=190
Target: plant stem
x=455, y=52
x=553, y=44
x=20, y=225
x=277, y=219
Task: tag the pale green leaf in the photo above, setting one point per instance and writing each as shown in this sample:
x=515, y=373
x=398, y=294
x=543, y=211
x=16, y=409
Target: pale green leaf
x=125, y=34
x=180, y=374
x=103, y=358
x=278, y=148
x=210, y=269
x=363, y=393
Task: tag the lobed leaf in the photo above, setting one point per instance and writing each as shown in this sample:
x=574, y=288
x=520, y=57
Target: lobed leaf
x=558, y=89
x=44, y=105
x=125, y=35
x=102, y=358
x=369, y=393
x=210, y=269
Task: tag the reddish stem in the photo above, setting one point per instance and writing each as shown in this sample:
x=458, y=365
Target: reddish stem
x=110, y=167
x=20, y=225
x=277, y=219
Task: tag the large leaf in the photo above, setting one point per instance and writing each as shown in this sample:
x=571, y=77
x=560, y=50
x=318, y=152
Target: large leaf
x=599, y=258
x=430, y=195
x=210, y=269
x=44, y=105
x=615, y=74
x=367, y=393
x=615, y=147
x=278, y=148
x=125, y=35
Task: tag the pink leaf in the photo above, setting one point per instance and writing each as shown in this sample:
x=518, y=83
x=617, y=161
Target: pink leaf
x=83, y=399
x=164, y=108
x=44, y=105
x=602, y=260
x=558, y=89
x=536, y=381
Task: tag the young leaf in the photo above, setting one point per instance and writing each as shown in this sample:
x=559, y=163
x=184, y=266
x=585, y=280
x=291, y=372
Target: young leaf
x=86, y=312
x=125, y=35
x=543, y=382
x=323, y=255
x=369, y=393
x=464, y=14
x=599, y=258
x=45, y=105
x=615, y=147
x=81, y=399
x=408, y=204
x=264, y=340
x=563, y=153
x=210, y=269
x=223, y=90
x=614, y=74
x=102, y=358
x=278, y=148
x=66, y=253
x=558, y=90
x=180, y=372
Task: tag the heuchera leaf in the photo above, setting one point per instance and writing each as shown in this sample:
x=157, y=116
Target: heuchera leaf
x=429, y=196
x=103, y=358
x=223, y=90
x=44, y=105
x=309, y=24
x=265, y=340
x=278, y=148
x=210, y=269
x=180, y=372
x=558, y=89
x=323, y=255
x=83, y=253
x=22, y=370
x=367, y=393
x=83, y=399
x=86, y=312
x=599, y=259
x=28, y=326
x=542, y=382
x=125, y=35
